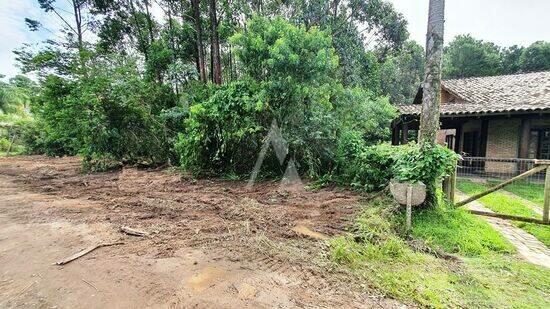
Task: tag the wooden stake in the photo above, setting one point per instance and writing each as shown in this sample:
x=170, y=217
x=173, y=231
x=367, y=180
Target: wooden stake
x=409, y=208
x=546, y=210
x=501, y=185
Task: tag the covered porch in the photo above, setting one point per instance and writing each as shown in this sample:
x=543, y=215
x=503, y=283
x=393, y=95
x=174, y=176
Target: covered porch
x=495, y=136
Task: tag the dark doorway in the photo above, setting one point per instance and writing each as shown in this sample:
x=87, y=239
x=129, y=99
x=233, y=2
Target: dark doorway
x=470, y=146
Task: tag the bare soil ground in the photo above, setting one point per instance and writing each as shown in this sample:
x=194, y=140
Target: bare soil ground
x=213, y=244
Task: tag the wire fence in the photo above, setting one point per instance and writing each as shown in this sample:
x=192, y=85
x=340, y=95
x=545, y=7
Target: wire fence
x=498, y=169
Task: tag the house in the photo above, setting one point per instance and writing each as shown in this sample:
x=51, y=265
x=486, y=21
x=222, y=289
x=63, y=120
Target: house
x=504, y=116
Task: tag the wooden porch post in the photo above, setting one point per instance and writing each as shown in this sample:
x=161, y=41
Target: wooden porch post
x=395, y=134
x=405, y=136
x=458, y=139
x=524, y=143
x=524, y=138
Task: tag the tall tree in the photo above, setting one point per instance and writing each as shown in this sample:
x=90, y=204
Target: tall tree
x=536, y=57
x=198, y=30
x=74, y=28
x=466, y=56
x=215, y=45
x=402, y=72
x=429, y=118
x=510, y=59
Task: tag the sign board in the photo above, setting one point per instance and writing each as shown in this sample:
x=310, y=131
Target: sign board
x=399, y=191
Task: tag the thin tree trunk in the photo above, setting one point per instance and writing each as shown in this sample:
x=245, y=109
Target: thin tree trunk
x=141, y=41
x=429, y=118
x=200, y=49
x=78, y=22
x=215, y=45
x=149, y=23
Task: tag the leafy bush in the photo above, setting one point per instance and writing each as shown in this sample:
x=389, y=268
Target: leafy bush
x=112, y=112
x=370, y=168
x=425, y=163
x=222, y=134
x=288, y=77
x=362, y=167
x=4, y=144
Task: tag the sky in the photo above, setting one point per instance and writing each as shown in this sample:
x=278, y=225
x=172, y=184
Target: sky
x=504, y=22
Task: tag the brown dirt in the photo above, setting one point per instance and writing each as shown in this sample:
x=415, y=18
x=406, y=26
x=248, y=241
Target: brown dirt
x=214, y=243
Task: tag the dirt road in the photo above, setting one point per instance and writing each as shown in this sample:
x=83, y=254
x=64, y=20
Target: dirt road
x=213, y=243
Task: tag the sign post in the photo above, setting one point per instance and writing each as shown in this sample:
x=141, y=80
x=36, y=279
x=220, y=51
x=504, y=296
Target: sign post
x=408, y=194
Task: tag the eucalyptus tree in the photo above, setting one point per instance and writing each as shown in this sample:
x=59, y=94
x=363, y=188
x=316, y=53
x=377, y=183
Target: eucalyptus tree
x=429, y=118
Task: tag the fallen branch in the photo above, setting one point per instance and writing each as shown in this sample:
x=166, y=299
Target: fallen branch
x=86, y=251
x=133, y=232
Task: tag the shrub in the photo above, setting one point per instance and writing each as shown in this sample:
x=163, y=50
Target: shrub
x=362, y=167
x=222, y=134
x=288, y=77
x=4, y=144
x=425, y=163
x=370, y=168
x=112, y=112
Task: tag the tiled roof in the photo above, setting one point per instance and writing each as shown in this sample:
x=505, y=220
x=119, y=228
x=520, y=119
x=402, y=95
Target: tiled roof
x=494, y=94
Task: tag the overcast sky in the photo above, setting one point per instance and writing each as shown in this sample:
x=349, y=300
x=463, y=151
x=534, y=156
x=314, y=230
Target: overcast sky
x=505, y=22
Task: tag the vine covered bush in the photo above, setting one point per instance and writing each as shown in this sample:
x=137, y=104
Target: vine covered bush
x=370, y=168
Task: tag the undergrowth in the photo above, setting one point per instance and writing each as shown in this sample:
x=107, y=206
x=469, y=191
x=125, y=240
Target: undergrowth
x=483, y=274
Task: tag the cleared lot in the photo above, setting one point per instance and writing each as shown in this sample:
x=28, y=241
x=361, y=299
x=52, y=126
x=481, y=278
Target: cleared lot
x=213, y=243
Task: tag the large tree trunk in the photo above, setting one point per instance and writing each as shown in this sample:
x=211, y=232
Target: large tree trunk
x=215, y=46
x=200, y=49
x=429, y=118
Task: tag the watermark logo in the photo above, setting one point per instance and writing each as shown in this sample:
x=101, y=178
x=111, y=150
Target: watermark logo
x=291, y=178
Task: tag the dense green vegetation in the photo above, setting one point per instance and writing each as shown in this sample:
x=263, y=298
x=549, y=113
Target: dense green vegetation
x=141, y=88
x=486, y=274
x=16, y=96
x=466, y=56
x=506, y=204
x=313, y=76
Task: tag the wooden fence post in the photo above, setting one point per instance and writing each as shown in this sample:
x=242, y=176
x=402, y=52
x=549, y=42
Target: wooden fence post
x=453, y=185
x=449, y=184
x=545, y=213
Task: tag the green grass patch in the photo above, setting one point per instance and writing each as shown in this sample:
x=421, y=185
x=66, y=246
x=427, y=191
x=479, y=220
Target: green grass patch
x=505, y=204
x=457, y=231
x=533, y=192
x=374, y=251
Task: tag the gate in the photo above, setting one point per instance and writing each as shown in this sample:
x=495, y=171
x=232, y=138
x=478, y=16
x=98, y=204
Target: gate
x=528, y=169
